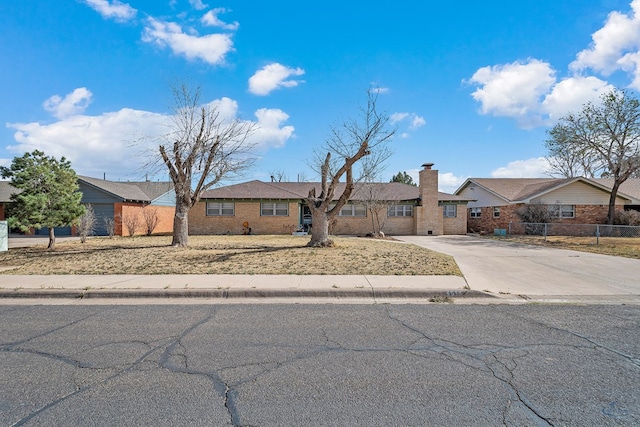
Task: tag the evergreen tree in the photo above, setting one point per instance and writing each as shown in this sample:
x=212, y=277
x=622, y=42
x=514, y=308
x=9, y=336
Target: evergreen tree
x=48, y=194
x=404, y=178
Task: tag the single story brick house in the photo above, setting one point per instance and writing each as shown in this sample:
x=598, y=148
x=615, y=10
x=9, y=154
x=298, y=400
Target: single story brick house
x=118, y=200
x=114, y=200
x=280, y=208
x=572, y=200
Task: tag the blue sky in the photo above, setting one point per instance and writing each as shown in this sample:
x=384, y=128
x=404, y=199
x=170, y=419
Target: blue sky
x=471, y=86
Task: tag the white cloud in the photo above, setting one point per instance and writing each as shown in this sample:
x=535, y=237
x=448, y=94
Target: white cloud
x=119, y=143
x=210, y=48
x=116, y=10
x=528, y=92
x=73, y=103
x=415, y=121
x=513, y=90
x=448, y=182
x=211, y=19
x=571, y=94
x=273, y=76
x=398, y=117
x=619, y=37
x=270, y=131
x=376, y=89
x=197, y=4
x=94, y=144
x=535, y=167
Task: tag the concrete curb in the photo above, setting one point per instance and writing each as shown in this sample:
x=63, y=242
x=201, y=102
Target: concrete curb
x=241, y=293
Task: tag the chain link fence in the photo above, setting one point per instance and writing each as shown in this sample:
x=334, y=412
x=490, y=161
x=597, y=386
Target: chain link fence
x=575, y=230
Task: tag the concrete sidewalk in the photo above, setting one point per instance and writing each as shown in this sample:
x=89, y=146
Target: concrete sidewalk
x=235, y=286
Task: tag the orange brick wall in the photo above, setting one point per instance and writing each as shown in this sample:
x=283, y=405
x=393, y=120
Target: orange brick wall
x=165, y=216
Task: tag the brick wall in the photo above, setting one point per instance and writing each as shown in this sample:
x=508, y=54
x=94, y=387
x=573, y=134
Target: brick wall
x=429, y=215
x=361, y=226
x=201, y=224
x=124, y=210
x=487, y=223
x=457, y=225
x=584, y=214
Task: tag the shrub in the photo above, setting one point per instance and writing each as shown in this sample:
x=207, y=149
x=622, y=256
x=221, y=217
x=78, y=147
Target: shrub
x=87, y=223
x=629, y=217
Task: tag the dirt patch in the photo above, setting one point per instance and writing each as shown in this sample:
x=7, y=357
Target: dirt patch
x=229, y=255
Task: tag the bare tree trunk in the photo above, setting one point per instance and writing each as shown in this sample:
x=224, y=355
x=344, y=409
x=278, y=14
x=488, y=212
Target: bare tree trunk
x=181, y=225
x=52, y=238
x=612, y=203
x=320, y=230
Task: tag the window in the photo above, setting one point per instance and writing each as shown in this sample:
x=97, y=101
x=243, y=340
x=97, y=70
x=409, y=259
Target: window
x=400, y=210
x=496, y=212
x=475, y=212
x=563, y=211
x=274, y=209
x=353, y=210
x=220, y=208
x=449, y=211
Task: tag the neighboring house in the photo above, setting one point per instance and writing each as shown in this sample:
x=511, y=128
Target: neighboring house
x=119, y=200
x=114, y=200
x=280, y=208
x=496, y=201
x=6, y=190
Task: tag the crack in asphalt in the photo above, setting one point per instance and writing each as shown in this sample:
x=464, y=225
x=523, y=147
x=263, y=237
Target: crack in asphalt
x=443, y=347
x=498, y=361
x=61, y=399
x=13, y=344
x=634, y=360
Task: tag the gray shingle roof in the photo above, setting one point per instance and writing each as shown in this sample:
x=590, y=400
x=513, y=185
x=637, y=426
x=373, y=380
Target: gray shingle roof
x=390, y=191
x=130, y=191
x=6, y=190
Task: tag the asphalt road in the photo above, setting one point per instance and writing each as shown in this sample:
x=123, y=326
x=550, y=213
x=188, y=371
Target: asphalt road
x=334, y=365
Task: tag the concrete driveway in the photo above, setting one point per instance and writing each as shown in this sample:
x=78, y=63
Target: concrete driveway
x=506, y=268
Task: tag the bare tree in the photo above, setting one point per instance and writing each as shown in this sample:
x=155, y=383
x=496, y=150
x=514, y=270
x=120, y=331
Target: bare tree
x=364, y=141
x=606, y=134
x=279, y=175
x=302, y=177
x=151, y=219
x=376, y=207
x=201, y=148
x=87, y=223
x=569, y=159
x=110, y=226
x=131, y=222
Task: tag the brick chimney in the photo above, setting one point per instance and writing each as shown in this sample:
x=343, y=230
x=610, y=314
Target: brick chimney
x=429, y=214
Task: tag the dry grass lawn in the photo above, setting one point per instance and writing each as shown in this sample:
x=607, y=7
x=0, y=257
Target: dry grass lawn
x=229, y=255
x=616, y=246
